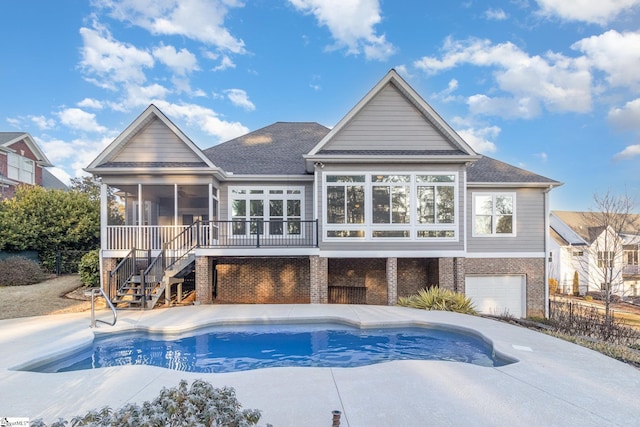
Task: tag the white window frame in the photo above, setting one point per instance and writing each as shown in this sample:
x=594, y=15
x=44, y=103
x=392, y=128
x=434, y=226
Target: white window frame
x=21, y=168
x=266, y=196
x=493, y=195
x=368, y=227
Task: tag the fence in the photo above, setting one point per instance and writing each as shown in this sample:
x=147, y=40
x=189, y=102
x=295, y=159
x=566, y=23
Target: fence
x=68, y=261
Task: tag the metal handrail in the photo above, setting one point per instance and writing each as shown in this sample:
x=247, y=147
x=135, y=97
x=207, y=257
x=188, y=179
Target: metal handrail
x=93, y=308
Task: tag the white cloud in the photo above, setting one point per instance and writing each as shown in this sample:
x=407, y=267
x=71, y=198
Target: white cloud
x=225, y=63
x=592, y=11
x=91, y=103
x=627, y=117
x=351, y=23
x=204, y=118
x=558, y=82
x=106, y=61
x=200, y=20
x=180, y=62
x=616, y=54
x=239, y=97
x=479, y=138
x=61, y=174
x=42, y=122
x=76, y=118
x=495, y=14
x=629, y=152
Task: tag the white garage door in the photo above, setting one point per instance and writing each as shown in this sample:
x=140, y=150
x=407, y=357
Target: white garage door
x=498, y=295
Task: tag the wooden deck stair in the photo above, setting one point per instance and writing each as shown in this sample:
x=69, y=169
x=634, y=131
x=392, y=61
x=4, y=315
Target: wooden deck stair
x=132, y=296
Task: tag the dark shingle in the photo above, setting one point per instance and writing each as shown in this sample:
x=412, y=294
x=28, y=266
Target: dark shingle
x=276, y=149
x=487, y=169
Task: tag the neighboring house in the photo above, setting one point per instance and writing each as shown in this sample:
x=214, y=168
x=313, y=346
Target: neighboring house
x=21, y=162
x=388, y=201
x=578, y=245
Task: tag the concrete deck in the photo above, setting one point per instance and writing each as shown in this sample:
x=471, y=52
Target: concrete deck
x=554, y=383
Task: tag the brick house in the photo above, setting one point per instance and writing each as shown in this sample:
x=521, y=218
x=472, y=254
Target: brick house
x=21, y=162
x=388, y=201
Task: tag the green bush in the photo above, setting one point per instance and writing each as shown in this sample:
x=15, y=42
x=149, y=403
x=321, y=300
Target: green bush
x=20, y=271
x=199, y=405
x=89, y=268
x=436, y=298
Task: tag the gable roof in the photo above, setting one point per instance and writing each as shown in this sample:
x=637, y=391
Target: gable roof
x=394, y=101
x=490, y=172
x=277, y=149
x=110, y=158
x=7, y=139
x=587, y=226
x=49, y=180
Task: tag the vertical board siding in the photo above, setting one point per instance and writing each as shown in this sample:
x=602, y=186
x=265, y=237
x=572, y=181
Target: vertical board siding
x=389, y=121
x=156, y=143
x=530, y=231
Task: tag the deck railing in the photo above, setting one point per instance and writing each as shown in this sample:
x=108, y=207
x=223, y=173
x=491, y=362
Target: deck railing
x=215, y=234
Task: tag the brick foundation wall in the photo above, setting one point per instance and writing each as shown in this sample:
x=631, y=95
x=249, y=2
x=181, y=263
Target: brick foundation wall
x=532, y=268
x=263, y=281
x=108, y=265
x=369, y=273
x=412, y=275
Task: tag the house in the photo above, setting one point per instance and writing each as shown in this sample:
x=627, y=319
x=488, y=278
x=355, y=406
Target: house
x=388, y=201
x=582, y=249
x=21, y=162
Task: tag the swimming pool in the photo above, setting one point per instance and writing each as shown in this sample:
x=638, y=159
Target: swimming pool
x=246, y=347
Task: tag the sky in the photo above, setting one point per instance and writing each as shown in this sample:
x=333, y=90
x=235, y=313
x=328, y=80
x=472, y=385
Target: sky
x=552, y=86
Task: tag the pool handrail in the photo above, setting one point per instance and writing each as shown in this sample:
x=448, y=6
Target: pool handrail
x=93, y=310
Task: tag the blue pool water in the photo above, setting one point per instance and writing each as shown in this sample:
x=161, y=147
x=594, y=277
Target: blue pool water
x=245, y=347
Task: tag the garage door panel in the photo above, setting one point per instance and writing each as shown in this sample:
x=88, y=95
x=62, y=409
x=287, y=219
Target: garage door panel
x=498, y=294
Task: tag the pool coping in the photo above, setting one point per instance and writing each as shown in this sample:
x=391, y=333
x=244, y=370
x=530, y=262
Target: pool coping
x=553, y=382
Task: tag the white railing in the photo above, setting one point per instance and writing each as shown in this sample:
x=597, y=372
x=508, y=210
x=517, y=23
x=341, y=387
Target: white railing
x=125, y=237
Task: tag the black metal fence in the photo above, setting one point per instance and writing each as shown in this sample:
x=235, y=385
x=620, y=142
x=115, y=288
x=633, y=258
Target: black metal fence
x=68, y=261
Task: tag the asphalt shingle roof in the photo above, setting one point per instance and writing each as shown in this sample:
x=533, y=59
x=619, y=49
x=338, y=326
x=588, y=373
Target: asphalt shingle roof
x=9, y=136
x=487, y=169
x=276, y=149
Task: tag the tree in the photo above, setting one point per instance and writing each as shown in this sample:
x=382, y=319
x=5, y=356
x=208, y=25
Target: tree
x=47, y=220
x=90, y=186
x=609, y=225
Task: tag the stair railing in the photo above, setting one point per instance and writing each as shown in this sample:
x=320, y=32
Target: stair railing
x=100, y=291
x=129, y=266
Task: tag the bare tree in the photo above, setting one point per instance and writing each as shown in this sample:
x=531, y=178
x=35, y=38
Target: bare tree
x=609, y=227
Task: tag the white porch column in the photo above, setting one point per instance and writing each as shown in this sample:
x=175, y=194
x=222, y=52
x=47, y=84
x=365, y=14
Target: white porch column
x=175, y=204
x=104, y=215
x=140, y=205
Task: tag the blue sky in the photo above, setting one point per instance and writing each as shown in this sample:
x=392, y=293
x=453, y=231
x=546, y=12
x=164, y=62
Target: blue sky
x=548, y=85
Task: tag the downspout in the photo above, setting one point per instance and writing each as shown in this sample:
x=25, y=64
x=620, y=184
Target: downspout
x=547, y=212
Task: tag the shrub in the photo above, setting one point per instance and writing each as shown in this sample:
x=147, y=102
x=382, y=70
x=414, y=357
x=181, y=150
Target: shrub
x=553, y=285
x=436, y=298
x=199, y=405
x=588, y=298
x=89, y=268
x=20, y=271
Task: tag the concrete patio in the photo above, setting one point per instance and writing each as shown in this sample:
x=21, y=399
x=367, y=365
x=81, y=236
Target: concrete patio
x=554, y=383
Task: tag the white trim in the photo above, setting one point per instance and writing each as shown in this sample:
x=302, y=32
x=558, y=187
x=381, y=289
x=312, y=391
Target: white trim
x=392, y=77
x=505, y=255
x=368, y=227
x=133, y=129
x=363, y=253
x=494, y=234
x=257, y=252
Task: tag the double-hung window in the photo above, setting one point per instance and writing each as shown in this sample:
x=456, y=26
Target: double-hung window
x=20, y=168
x=391, y=204
x=436, y=203
x=494, y=214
